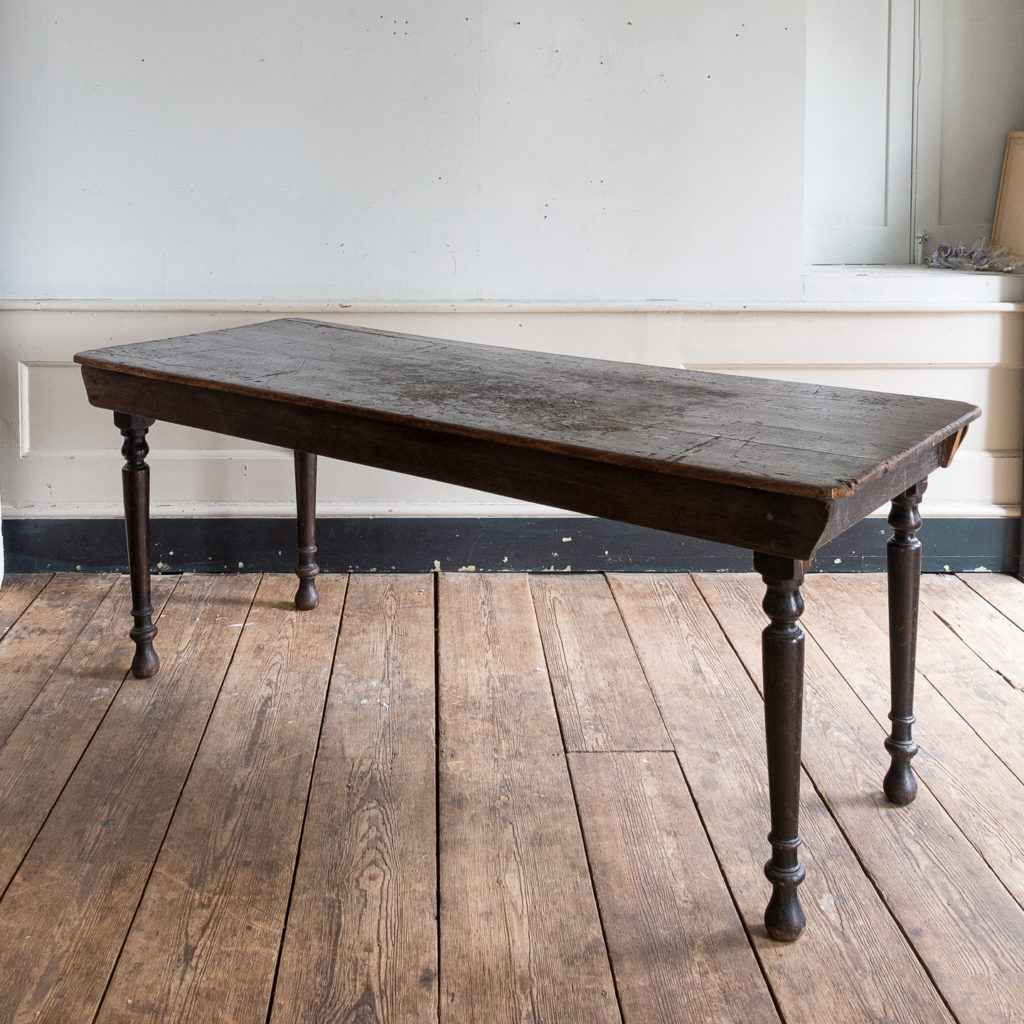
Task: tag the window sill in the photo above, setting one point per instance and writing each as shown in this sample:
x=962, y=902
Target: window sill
x=912, y=286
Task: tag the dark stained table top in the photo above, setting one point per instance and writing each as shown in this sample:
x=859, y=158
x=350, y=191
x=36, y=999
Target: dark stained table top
x=802, y=440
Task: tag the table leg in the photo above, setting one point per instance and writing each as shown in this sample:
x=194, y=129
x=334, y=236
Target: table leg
x=306, y=596
x=782, y=646
x=904, y=565
x=135, y=487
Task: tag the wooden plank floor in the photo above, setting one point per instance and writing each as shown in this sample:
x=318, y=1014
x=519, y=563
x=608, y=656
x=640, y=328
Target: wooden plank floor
x=498, y=799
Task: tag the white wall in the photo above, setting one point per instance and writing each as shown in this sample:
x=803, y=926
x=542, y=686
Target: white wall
x=517, y=149
x=168, y=168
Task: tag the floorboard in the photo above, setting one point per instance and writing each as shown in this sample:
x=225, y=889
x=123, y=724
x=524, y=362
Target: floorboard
x=520, y=935
x=43, y=633
x=361, y=941
x=678, y=947
x=65, y=915
x=496, y=798
x=941, y=881
x=1003, y=592
x=976, y=789
x=60, y=723
x=852, y=948
x=16, y=594
x=604, y=701
x=205, y=940
x=981, y=695
x=991, y=634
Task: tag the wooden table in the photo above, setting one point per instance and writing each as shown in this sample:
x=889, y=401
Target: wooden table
x=776, y=467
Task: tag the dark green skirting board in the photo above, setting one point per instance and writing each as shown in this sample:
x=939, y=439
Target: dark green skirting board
x=537, y=544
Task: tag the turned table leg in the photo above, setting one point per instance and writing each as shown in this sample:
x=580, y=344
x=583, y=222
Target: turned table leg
x=306, y=596
x=782, y=646
x=904, y=565
x=135, y=486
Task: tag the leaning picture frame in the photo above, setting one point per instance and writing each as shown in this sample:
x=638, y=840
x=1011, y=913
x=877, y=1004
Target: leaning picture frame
x=1008, y=227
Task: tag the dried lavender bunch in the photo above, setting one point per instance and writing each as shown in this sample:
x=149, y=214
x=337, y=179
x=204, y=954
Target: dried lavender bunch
x=980, y=256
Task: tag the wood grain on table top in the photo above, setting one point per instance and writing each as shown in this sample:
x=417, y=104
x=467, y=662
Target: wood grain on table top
x=804, y=439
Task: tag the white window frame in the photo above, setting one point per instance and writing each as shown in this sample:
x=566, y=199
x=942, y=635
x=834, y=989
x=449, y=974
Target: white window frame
x=887, y=239
x=909, y=225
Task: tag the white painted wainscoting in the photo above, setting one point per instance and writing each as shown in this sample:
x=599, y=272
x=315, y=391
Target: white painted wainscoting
x=60, y=457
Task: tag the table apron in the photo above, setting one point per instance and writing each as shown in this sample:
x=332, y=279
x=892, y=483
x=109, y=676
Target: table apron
x=792, y=526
